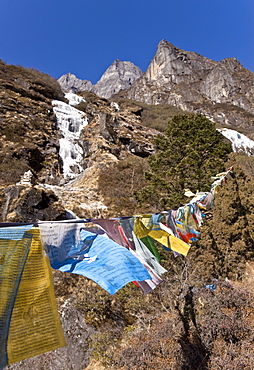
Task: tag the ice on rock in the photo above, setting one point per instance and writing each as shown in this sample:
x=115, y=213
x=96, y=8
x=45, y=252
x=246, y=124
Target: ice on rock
x=74, y=99
x=70, y=122
x=239, y=141
x=69, y=119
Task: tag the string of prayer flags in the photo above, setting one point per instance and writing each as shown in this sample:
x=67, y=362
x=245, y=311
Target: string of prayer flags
x=127, y=225
x=114, y=231
x=150, y=225
x=220, y=178
x=111, y=252
x=148, y=241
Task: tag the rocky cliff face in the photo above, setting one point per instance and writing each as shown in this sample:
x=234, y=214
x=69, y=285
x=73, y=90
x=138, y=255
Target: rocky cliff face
x=223, y=91
x=119, y=76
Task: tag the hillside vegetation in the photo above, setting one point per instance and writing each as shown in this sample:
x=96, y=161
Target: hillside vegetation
x=188, y=154
x=27, y=124
x=200, y=317
x=152, y=116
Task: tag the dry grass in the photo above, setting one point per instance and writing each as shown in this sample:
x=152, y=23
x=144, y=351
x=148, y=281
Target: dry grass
x=152, y=116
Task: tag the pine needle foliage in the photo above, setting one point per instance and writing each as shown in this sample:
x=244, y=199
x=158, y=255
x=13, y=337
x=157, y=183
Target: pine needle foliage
x=190, y=152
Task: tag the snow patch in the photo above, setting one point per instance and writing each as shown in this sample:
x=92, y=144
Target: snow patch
x=26, y=179
x=70, y=122
x=74, y=99
x=239, y=141
x=97, y=205
x=115, y=106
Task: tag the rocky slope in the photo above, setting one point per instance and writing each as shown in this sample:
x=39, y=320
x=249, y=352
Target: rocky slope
x=42, y=133
x=112, y=134
x=70, y=147
x=28, y=124
x=28, y=141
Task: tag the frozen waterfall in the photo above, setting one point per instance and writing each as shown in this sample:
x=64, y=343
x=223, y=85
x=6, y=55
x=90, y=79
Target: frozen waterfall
x=70, y=122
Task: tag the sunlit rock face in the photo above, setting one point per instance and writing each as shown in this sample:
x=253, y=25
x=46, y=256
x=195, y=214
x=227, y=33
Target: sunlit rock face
x=240, y=142
x=70, y=122
x=221, y=90
x=119, y=76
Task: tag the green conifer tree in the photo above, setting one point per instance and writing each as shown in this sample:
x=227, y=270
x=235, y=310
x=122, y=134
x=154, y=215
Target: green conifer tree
x=190, y=152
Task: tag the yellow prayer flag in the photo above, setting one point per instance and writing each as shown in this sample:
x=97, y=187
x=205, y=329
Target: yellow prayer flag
x=35, y=325
x=161, y=236
x=13, y=255
x=178, y=245
x=141, y=225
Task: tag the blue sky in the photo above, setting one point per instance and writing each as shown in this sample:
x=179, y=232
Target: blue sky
x=85, y=36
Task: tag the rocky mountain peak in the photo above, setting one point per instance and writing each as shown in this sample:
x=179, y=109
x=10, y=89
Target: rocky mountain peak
x=172, y=65
x=232, y=64
x=222, y=91
x=70, y=83
x=119, y=76
x=171, y=49
x=122, y=68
